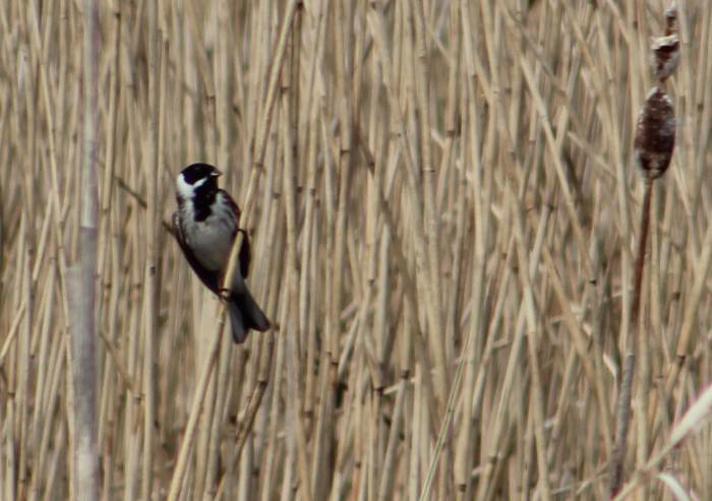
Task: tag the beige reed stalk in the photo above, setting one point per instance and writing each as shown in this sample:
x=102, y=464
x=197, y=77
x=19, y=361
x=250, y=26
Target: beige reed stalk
x=153, y=170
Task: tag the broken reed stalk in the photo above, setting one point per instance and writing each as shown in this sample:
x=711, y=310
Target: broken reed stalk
x=654, y=145
x=623, y=406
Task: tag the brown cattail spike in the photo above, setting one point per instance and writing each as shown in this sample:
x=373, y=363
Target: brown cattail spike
x=666, y=56
x=655, y=134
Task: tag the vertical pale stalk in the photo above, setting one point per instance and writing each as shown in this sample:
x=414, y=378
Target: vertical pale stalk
x=471, y=156
x=150, y=330
x=533, y=337
x=431, y=221
x=292, y=324
x=81, y=283
x=342, y=54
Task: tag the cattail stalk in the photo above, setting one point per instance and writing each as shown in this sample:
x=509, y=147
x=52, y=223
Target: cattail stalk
x=623, y=405
x=654, y=144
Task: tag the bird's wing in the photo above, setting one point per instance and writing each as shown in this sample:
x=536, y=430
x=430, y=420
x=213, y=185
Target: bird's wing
x=245, y=256
x=211, y=279
x=245, y=248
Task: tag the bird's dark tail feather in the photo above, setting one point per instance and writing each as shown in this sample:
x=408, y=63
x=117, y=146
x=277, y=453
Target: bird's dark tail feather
x=245, y=314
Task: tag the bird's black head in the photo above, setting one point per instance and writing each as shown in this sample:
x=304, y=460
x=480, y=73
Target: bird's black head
x=197, y=181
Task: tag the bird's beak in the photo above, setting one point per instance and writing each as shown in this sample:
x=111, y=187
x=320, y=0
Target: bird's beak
x=217, y=173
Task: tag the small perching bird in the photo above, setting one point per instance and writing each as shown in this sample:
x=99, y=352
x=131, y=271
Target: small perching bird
x=205, y=225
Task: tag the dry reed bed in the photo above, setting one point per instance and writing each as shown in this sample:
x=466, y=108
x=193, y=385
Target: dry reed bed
x=442, y=199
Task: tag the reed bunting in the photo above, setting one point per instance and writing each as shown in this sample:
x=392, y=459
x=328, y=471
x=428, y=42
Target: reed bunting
x=205, y=225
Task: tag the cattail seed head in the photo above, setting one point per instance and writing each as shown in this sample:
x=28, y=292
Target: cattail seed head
x=666, y=56
x=655, y=134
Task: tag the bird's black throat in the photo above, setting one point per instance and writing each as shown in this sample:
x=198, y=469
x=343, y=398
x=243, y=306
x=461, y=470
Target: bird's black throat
x=203, y=200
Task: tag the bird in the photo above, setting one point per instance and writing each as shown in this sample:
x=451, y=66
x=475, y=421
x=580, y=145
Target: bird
x=205, y=225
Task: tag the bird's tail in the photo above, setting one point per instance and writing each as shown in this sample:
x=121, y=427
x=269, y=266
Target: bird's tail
x=245, y=314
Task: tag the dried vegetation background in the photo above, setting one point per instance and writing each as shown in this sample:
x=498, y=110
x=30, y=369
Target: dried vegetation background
x=443, y=206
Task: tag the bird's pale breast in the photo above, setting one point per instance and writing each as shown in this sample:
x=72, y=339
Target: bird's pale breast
x=210, y=239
